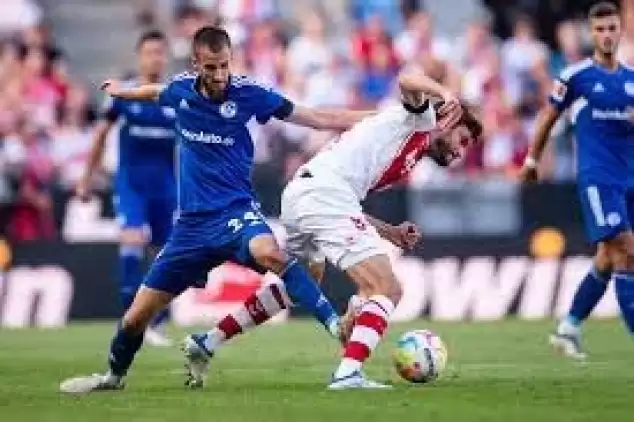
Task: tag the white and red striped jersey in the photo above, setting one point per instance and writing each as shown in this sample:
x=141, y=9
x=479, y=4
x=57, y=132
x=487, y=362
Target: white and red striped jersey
x=379, y=151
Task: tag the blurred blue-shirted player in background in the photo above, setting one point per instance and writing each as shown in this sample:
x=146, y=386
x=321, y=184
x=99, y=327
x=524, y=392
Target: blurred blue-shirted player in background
x=218, y=217
x=145, y=185
x=600, y=95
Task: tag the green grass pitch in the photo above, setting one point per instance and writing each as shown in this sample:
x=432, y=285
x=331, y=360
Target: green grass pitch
x=497, y=372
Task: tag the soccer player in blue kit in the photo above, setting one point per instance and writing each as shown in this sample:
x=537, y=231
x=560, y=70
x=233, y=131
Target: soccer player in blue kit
x=600, y=95
x=218, y=217
x=145, y=185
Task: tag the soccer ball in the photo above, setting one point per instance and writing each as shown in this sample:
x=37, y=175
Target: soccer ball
x=420, y=356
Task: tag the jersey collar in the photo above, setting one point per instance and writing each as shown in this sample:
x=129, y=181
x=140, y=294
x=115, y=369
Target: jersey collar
x=196, y=88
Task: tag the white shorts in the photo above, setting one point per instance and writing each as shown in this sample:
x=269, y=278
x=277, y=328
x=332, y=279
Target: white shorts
x=324, y=220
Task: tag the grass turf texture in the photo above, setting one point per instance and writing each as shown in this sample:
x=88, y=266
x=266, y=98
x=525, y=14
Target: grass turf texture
x=497, y=372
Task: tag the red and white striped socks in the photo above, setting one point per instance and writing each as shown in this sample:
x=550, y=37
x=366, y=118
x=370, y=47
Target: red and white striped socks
x=256, y=309
x=368, y=330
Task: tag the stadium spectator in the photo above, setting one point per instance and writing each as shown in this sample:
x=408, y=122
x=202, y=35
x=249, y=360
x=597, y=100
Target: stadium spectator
x=28, y=151
x=419, y=39
x=309, y=52
x=365, y=11
x=71, y=139
x=370, y=36
x=18, y=15
x=519, y=54
x=626, y=48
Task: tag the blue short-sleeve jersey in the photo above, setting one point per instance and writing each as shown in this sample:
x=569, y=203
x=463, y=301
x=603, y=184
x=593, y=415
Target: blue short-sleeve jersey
x=601, y=104
x=215, y=149
x=147, y=140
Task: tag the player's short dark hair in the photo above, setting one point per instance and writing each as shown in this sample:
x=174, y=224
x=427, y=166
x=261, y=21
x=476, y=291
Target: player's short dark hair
x=603, y=10
x=212, y=37
x=152, y=35
x=472, y=123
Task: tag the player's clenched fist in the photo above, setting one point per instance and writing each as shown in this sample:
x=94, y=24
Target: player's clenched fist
x=405, y=236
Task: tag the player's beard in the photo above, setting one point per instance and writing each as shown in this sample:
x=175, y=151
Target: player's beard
x=216, y=91
x=441, y=153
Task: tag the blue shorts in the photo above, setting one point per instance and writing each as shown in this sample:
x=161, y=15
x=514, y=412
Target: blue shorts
x=138, y=211
x=202, y=241
x=608, y=209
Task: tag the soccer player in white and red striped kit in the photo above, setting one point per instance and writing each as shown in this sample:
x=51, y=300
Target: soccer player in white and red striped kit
x=322, y=214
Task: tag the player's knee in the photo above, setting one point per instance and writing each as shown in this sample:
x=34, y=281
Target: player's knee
x=393, y=290
x=267, y=254
x=317, y=271
x=134, y=323
x=621, y=252
x=133, y=237
x=602, y=260
x=147, y=303
x=385, y=285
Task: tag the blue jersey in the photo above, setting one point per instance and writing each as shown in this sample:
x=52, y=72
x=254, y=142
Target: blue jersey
x=215, y=149
x=601, y=105
x=147, y=141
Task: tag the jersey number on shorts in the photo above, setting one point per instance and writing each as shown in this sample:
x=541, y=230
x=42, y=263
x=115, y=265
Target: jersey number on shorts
x=250, y=218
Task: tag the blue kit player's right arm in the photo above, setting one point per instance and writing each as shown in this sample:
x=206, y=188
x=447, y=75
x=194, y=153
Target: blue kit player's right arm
x=562, y=96
x=146, y=92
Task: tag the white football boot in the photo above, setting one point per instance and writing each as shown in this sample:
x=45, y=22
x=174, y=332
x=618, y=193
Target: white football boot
x=91, y=383
x=356, y=380
x=567, y=340
x=197, y=360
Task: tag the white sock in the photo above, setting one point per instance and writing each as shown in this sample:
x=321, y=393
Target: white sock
x=347, y=367
x=369, y=327
x=257, y=309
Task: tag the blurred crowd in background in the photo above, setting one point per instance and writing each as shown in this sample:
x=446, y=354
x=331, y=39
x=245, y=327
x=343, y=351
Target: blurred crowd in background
x=502, y=63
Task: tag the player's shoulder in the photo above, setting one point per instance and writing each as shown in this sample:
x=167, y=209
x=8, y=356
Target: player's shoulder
x=246, y=82
x=629, y=70
x=182, y=79
x=577, y=69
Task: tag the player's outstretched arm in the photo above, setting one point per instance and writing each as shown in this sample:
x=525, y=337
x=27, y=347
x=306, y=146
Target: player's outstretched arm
x=147, y=92
x=323, y=119
x=546, y=120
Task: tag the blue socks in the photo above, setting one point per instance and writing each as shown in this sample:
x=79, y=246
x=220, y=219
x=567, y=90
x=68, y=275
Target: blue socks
x=624, y=285
x=122, y=350
x=131, y=274
x=131, y=277
x=303, y=290
x=589, y=293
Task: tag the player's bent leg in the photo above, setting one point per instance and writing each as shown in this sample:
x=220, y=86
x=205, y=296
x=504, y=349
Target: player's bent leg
x=124, y=345
x=384, y=291
x=156, y=333
x=301, y=288
x=567, y=337
x=621, y=250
